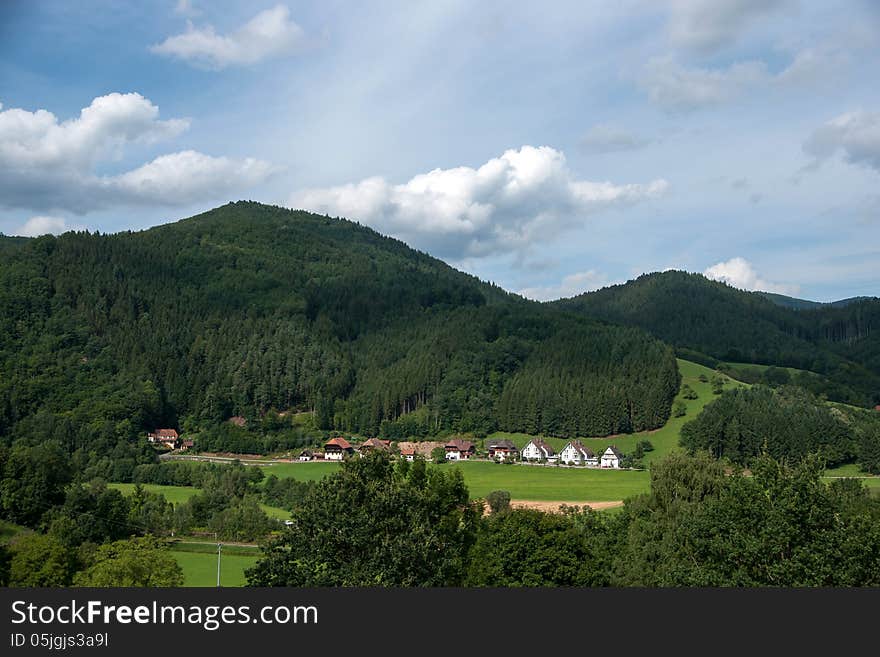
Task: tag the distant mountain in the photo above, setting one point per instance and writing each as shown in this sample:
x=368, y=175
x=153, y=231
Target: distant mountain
x=705, y=318
x=249, y=308
x=803, y=304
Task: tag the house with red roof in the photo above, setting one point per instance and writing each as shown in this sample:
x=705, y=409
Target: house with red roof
x=337, y=449
x=458, y=449
x=165, y=437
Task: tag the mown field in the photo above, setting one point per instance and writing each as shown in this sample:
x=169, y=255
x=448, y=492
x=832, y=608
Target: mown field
x=199, y=563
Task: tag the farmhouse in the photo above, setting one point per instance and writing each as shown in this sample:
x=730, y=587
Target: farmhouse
x=408, y=453
x=610, y=458
x=186, y=444
x=372, y=444
x=337, y=449
x=537, y=450
x=306, y=455
x=457, y=449
x=167, y=437
x=574, y=453
x=501, y=449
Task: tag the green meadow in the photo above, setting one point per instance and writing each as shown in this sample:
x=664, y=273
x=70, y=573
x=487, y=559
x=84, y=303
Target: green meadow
x=179, y=494
x=199, y=563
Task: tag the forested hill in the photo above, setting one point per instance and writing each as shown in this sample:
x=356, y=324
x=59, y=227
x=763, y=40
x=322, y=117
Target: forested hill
x=703, y=318
x=248, y=308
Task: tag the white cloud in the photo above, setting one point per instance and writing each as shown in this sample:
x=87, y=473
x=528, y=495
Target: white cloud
x=740, y=273
x=50, y=165
x=43, y=225
x=607, y=138
x=271, y=33
x=37, y=139
x=708, y=25
x=510, y=202
x=186, y=177
x=855, y=134
x=571, y=285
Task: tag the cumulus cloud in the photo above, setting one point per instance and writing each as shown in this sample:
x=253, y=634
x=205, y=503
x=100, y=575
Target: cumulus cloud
x=607, y=138
x=709, y=25
x=47, y=164
x=740, y=273
x=43, y=225
x=186, y=177
x=571, y=285
x=855, y=134
x=269, y=34
x=37, y=139
x=510, y=202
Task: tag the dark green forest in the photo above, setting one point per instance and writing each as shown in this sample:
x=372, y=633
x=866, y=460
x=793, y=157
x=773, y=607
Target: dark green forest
x=708, y=322
x=250, y=309
x=787, y=423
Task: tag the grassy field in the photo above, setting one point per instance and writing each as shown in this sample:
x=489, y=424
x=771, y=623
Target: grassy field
x=538, y=482
x=200, y=567
x=311, y=471
x=174, y=494
x=178, y=494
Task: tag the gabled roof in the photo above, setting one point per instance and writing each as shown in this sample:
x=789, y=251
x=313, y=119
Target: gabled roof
x=460, y=445
x=375, y=443
x=540, y=444
x=614, y=450
x=342, y=443
x=586, y=452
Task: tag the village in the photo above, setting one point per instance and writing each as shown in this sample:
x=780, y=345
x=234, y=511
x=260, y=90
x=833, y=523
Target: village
x=534, y=452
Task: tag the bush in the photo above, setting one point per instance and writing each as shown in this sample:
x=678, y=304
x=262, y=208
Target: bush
x=498, y=500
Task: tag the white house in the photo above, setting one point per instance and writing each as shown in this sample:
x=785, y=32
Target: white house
x=610, y=458
x=574, y=453
x=336, y=449
x=307, y=455
x=537, y=450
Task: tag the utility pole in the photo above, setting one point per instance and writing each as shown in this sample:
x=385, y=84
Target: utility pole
x=219, y=548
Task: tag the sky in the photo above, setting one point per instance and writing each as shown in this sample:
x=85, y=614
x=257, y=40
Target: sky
x=552, y=148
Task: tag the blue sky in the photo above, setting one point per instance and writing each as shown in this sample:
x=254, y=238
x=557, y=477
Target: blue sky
x=549, y=147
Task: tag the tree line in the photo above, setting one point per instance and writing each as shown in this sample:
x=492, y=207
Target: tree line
x=385, y=523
